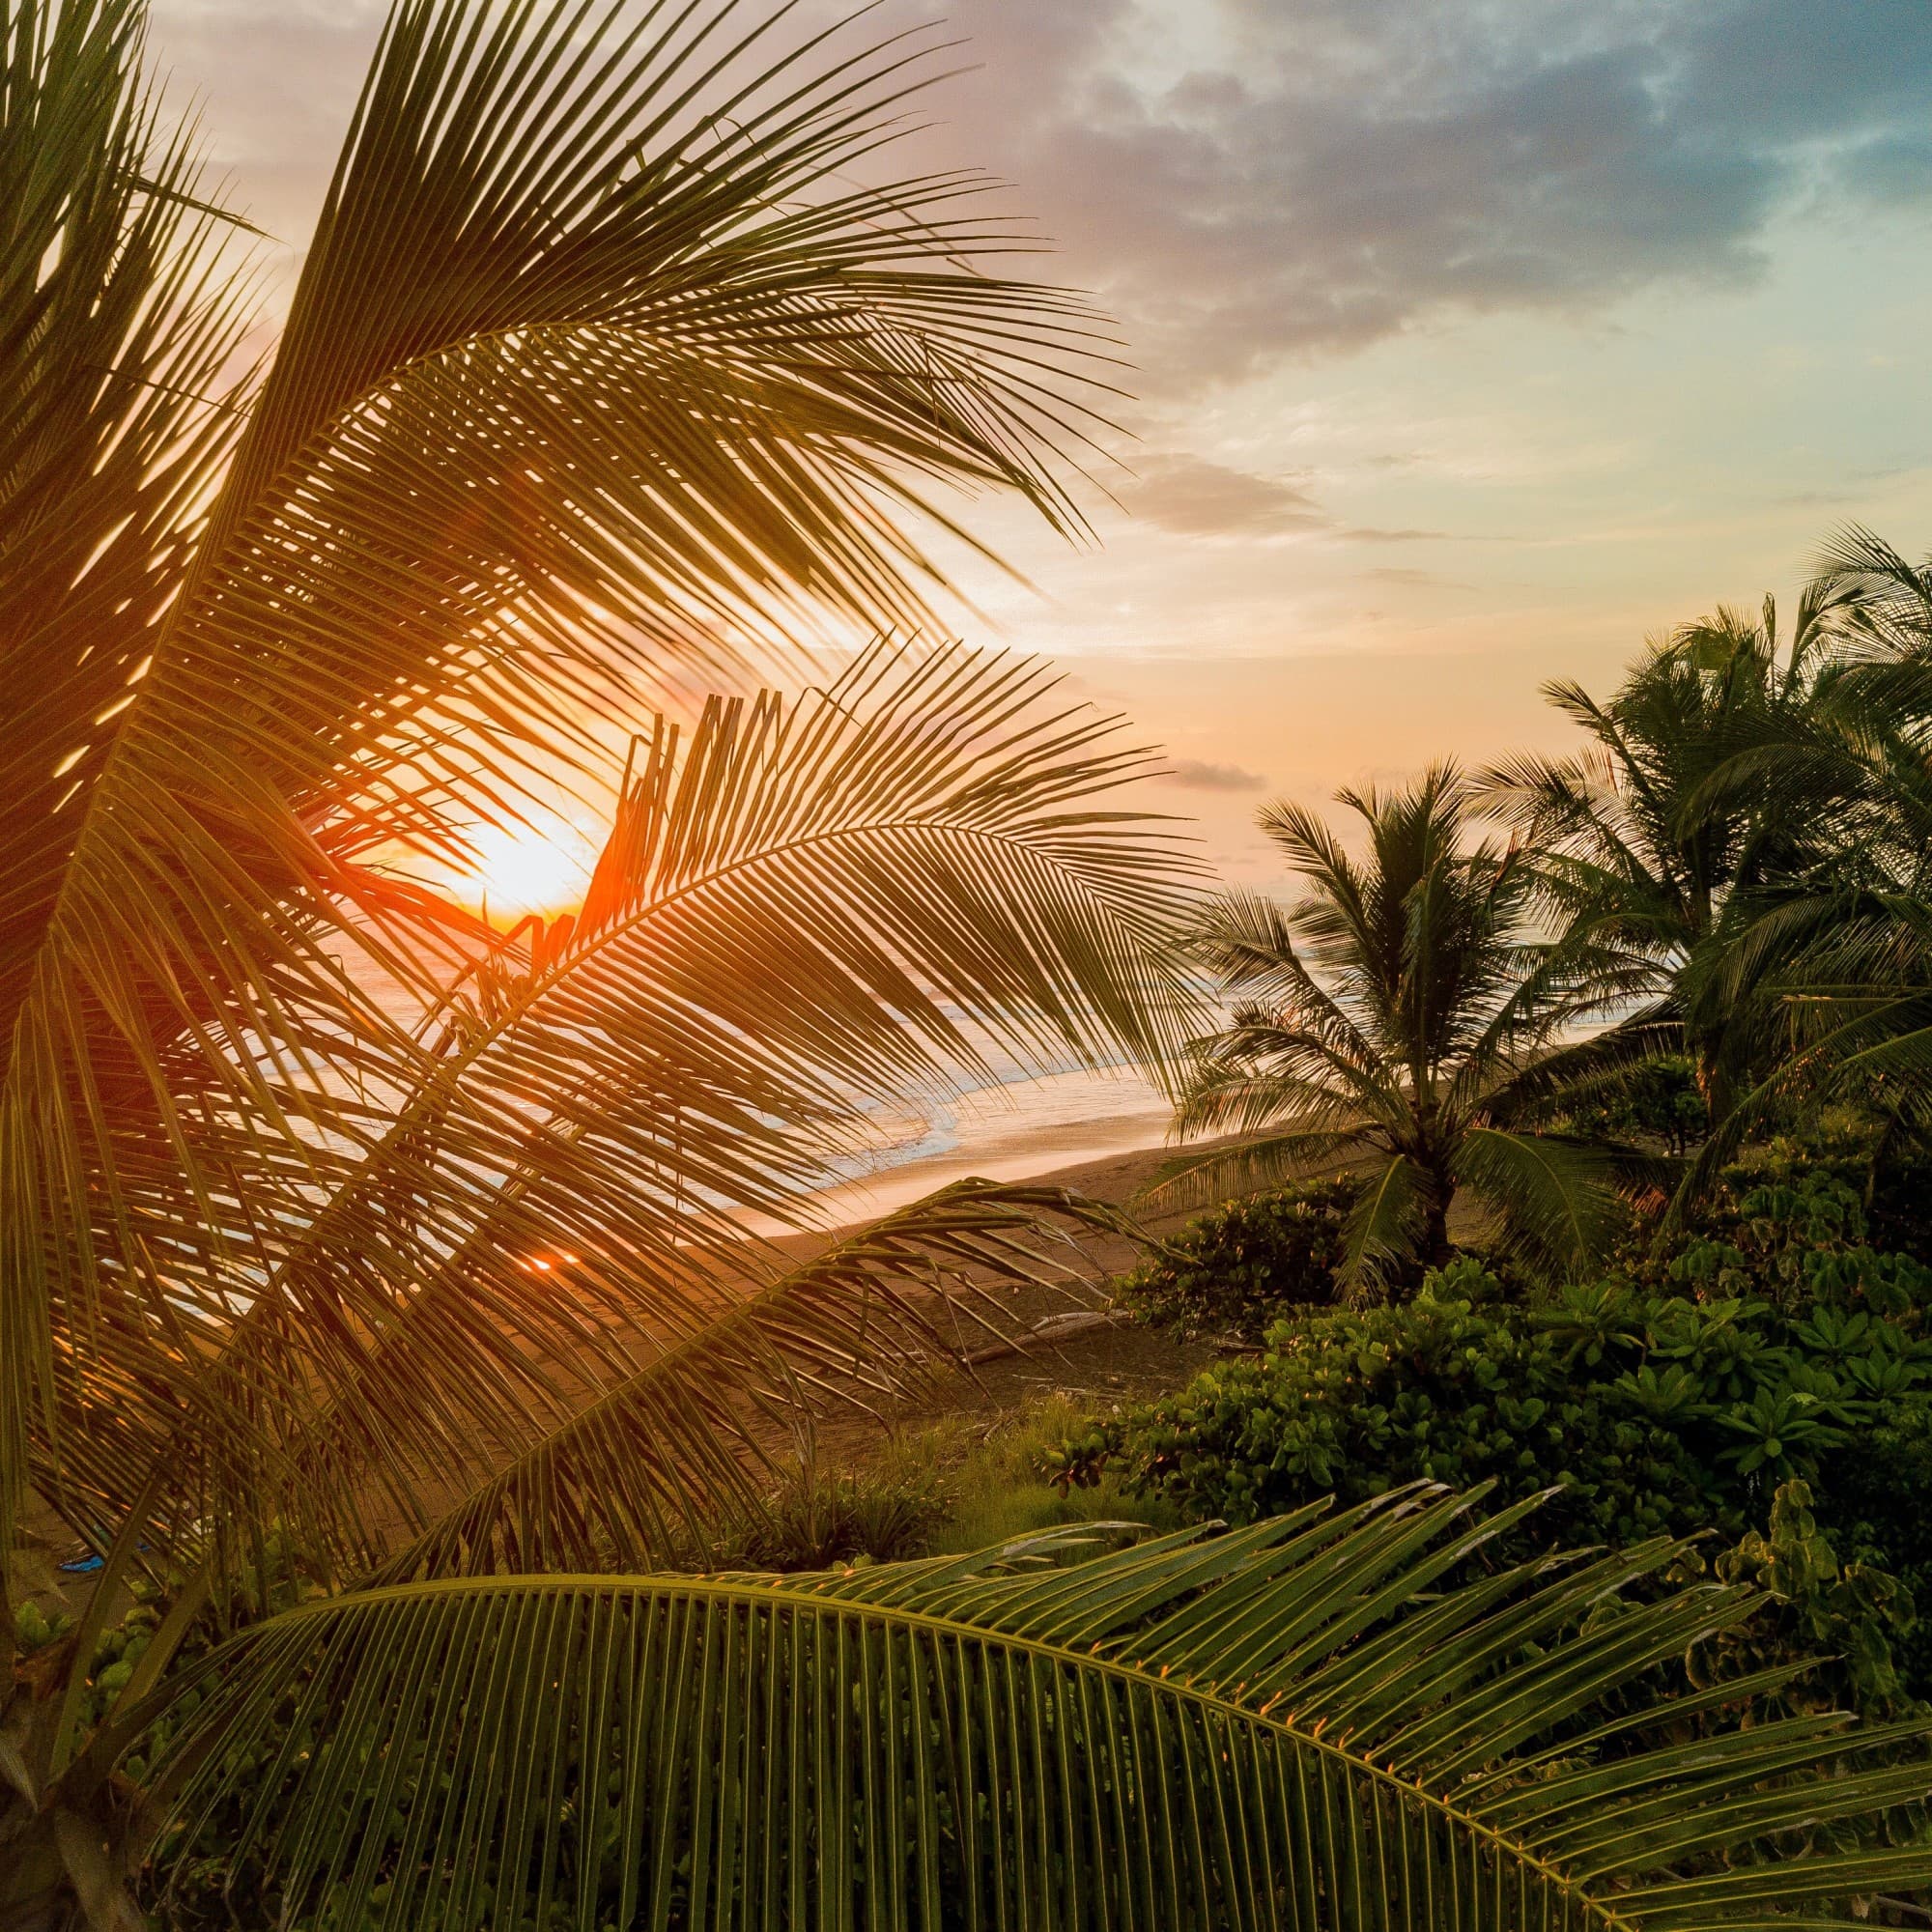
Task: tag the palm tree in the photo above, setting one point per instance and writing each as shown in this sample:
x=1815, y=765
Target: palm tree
x=1832, y=953
x=601, y=367
x=1398, y=1016
x=1645, y=840
x=599, y=370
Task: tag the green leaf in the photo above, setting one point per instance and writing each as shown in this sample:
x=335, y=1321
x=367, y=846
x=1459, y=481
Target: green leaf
x=1327, y=1718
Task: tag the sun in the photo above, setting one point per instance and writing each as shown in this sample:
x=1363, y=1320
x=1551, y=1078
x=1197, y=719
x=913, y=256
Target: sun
x=542, y=866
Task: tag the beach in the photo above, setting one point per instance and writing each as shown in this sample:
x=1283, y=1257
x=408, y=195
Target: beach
x=1105, y=1126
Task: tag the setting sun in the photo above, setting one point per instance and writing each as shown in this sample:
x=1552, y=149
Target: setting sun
x=542, y=866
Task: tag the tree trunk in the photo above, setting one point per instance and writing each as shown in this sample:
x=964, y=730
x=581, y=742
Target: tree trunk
x=1435, y=1250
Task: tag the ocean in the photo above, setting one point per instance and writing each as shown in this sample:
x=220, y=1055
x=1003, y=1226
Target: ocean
x=1007, y=1131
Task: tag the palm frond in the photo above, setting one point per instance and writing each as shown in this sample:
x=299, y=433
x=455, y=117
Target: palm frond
x=1266, y=1160
x=850, y=897
x=1556, y=1196
x=1317, y=1722
x=119, y=315
x=643, y=1471
x=602, y=362
x=1386, y=1226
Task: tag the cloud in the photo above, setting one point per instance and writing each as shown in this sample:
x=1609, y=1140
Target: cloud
x=1252, y=180
x=1195, y=497
x=1414, y=579
x=1196, y=775
x=1248, y=180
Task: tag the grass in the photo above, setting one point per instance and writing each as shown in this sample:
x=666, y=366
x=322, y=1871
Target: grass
x=946, y=1487
x=999, y=1490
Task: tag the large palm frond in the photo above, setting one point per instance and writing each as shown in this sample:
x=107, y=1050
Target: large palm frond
x=118, y=317
x=644, y=1469
x=1317, y=1722
x=1555, y=1195
x=848, y=896
x=601, y=363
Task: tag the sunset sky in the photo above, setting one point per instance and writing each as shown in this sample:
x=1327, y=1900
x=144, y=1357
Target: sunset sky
x=1473, y=340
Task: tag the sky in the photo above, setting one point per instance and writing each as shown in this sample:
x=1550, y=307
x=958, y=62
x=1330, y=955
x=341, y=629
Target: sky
x=1473, y=340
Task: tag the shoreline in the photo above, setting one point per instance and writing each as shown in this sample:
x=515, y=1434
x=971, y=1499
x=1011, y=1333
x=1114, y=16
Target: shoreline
x=1092, y=1157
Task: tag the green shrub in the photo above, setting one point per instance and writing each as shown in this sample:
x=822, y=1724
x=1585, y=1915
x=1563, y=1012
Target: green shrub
x=1655, y=1412
x=1658, y=1101
x=1789, y=1227
x=1238, y=1268
x=1852, y=1618
x=816, y=1518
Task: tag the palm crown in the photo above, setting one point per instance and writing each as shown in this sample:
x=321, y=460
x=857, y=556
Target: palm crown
x=1652, y=842
x=1397, y=1017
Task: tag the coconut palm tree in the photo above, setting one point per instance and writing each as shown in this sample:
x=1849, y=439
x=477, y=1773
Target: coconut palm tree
x=1398, y=1016
x=1831, y=954
x=602, y=366
x=1646, y=838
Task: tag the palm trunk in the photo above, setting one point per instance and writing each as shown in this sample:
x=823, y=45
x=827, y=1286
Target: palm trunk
x=1436, y=1248
x=61, y=1870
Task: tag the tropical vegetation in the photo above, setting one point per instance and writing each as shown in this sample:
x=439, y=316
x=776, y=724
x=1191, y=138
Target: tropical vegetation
x=1775, y=1344
x=1235, y=1269
x=380, y=1303
x=1398, y=1019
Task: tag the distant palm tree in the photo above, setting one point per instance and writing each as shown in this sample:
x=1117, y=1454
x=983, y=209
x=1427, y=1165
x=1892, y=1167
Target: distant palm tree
x=1832, y=953
x=602, y=367
x=1643, y=842
x=1397, y=1017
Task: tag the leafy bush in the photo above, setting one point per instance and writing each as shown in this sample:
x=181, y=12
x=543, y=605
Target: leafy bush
x=1657, y=1100
x=1241, y=1267
x=210, y=1887
x=817, y=1518
x=1790, y=1226
x=1853, y=1617
x=1656, y=1412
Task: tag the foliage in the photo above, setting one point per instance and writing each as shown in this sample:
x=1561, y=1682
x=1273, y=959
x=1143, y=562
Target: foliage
x=1654, y=1101
x=1663, y=1409
x=1233, y=1270
x=1398, y=1017
x=606, y=367
x=881, y=1512
x=211, y=1885
x=1000, y=1477
x=686, y=384
x=1875, y=1506
x=1787, y=1222
x=981, y=1739
x=1644, y=842
x=1853, y=1617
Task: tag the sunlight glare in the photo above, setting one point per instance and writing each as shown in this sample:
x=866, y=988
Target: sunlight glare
x=539, y=867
